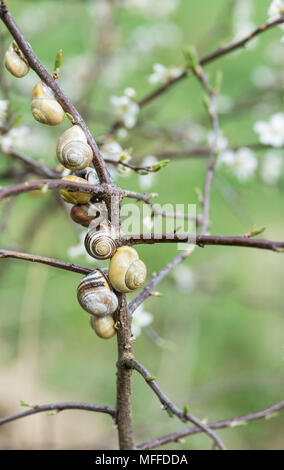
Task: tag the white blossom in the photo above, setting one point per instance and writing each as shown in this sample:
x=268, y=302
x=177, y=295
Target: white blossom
x=4, y=105
x=184, y=278
x=112, y=150
x=125, y=109
x=130, y=92
x=275, y=10
x=264, y=77
x=162, y=74
x=151, y=7
x=271, y=132
x=140, y=320
x=241, y=162
x=147, y=181
x=222, y=142
x=14, y=139
x=271, y=167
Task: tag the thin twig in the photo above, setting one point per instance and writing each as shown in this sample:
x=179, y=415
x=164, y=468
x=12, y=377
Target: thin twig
x=227, y=423
x=169, y=405
x=5, y=254
x=57, y=407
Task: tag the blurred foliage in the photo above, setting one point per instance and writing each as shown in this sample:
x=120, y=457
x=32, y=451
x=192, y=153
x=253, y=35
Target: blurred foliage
x=226, y=334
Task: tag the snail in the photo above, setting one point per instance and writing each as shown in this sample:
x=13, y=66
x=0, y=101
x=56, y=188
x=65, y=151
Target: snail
x=73, y=150
x=81, y=214
x=15, y=61
x=45, y=108
x=99, y=244
x=95, y=295
x=126, y=271
x=103, y=326
x=75, y=197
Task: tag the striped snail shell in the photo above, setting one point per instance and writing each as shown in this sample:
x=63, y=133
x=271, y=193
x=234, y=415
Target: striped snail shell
x=15, y=61
x=95, y=295
x=75, y=197
x=73, y=150
x=45, y=108
x=126, y=271
x=99, y=244
x=103, y=326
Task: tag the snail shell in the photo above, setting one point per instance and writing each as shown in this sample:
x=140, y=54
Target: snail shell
x=75, y=197
x=95, y=295
x=126, y=271
x=103, y=326
x=73, y=150
x=83, y=214
x=45, y=108
x=15, y=62
x=99, y=244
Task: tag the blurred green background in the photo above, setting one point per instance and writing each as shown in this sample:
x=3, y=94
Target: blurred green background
x=222, y=337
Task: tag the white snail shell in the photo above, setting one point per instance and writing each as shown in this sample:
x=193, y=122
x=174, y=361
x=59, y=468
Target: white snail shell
x=95, y=295
x=73, y=150
x=103, y=326
x=126, y=271
x=99, y=244
x=16, y=63
x=75, y=197
x=45, y=108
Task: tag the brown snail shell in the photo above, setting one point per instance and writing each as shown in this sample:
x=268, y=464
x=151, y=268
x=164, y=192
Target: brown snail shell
x=103, y=326
x=15, y=62
x=126, y=271
x=45, y=108
x=75, y=197
x=95, y=295
x=73, y=150
x=99, y=243
x=81, y=214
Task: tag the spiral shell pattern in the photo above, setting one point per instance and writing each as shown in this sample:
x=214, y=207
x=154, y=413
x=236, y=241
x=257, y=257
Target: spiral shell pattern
x=99, y=244
x=73, y=150
x=103, y=326
x=126, y=271
x=15, y=64
x=94, y=295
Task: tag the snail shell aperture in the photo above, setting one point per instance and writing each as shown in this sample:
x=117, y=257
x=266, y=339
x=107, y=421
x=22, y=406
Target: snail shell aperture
x=95, y=295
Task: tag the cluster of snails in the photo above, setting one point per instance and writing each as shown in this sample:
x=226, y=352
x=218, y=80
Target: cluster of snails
x=96, y=292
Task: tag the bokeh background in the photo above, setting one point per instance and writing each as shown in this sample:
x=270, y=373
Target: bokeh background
x=216, y=340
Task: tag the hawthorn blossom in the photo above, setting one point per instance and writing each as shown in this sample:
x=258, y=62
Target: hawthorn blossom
x=162, y=74
x=125, y=109
x=241, y=162
x=271, y=132
x=147, y=181
x=271, y=167
x=275, y=10
x=15, y=138
x=150, y=7
x=4, y=104
x=222, y=142
x=140, y=320
x=184, y=278
x=113, y=151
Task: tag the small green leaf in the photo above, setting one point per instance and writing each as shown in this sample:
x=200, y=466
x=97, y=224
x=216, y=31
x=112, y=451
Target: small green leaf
x=151, y=378
x=236, y=424
x=58, y=60
x=191, y=56
x=25, y=403
x=69, y=117
x=185, y=410
x=51, y=413
x=158, y=166
x=143, y=172
x=255, y=231
x=170, y=413
x=272, y=415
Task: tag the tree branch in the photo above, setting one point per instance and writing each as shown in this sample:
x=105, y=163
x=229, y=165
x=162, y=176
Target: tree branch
x=66, y=104
x=57, y=407
x=44, y=260
x=169, y=405
x=37, y=168
x=228, y=423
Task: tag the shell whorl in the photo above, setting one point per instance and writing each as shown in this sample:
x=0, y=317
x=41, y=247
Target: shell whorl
x=45, y=108
x=16, y=65
x=99, y=244
x=126, y=271
x=75, y=197
x=95, y=296
x=72, y=149
x=103, y=327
